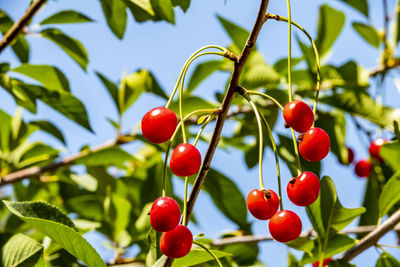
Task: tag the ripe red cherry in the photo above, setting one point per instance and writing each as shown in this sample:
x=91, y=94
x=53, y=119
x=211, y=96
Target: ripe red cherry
x=185, y=160
x=159, y=124
x=177, y=242
x=325, y=262
x=374, y=148
x=298, y=115
x=303, y=190
x=363, y=168
x=262, y=204
x=164, y=214
x=315, y=144
x=285, y=226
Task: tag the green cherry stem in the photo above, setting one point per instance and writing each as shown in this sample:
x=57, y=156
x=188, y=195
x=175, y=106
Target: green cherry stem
x=209, y=252
x=296, y=151
x=267, y=96
x=289, y=51
x=185, y=201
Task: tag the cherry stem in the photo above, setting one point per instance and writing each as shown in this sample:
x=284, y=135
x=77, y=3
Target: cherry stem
x=296, y=151
x=289, y=51
x=210, y=252
x=210, y=118
x=185, y=202
x=267, y=96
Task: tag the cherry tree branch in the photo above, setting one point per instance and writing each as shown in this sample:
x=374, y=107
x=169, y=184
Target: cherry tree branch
x=19, y=25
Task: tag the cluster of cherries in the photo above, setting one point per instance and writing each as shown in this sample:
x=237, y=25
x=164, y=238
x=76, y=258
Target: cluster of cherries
x=302, y=190
x=363, y=168
x=158, y=126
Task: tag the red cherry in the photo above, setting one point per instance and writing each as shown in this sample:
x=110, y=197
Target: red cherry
x=374, y=148
x=363, y=168
x=164, y=214
x=350, y=156
x=185, y=160
x=177, y=242
x=325, y=263
x=303, y=190
x=298, y=115
x=285, y=226
x=262, y=204
x=315, y=144
x=159, y=124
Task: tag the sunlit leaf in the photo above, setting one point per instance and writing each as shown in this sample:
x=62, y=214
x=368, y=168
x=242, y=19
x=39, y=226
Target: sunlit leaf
x=66, y=16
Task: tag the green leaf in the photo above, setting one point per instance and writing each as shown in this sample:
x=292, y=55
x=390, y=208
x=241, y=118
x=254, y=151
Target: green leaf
x=390, y=195
x=238, y=34
x=227, y=197
x=115, y=14
x=55, y=224
x=87, y=181
x=292, y=261
x=330, y=24
x=21, y=250
x=49, y=76
x=387, y=260
x=121, y=216
x=66, y=16
x=314, y=214
x=141, y=9
x=20, y=46
x=163, y=10
x=191, y=103
x=111, y=87
x=368, y=33
x=151, y=256
x=197, y=256
x=114, y=156
x=49, y=128
x=390, y=152
x=371, y=201
x=340, y=263
x=360, y=5
x=71, y=46
x=202, y=71
x=302, y=243
x=184, y=4
x=63, y=102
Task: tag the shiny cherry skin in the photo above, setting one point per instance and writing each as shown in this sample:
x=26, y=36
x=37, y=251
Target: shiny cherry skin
x=285, y=226
x=363, y=168
x=262, y=204
x=177, y=242
x=374, y=148
x=164, y=214
x=303, y=190
x=159, y=124
x=298, y=115
x=324, y=263
x=185, y=160
x=315, y=144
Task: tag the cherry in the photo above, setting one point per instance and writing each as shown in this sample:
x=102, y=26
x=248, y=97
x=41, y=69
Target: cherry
x=164, y=214
x=324, y=263
x=262, y=204
x=315, y=144
x=374, y=148
x=159, y=124
x=303, y=190
x=363, y=168
x=298, y=115
x=285, y=226
x=177, y=242
x=185, y=160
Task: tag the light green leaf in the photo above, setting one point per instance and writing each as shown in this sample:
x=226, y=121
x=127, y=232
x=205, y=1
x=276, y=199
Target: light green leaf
x=390, y=195
x=49, y=128
x=49, y=76
x=66, y=16
x=21, y=250
x=202, y=71
x=115, y=14
x=163, y=10
x=151, y=256
x=330, y=24
x=238, y=34
x=87, y=181
x=114, y=156
x=368, y=33
x=360, y=5
x=121, y=214
x=141, y=9
x=191, y=103
x=292, y=261
x=390, y=152
x=184, y=4
x=71, y=46
x=387, y=260
x=56, y=225
x=197, y=256
x=302, y=243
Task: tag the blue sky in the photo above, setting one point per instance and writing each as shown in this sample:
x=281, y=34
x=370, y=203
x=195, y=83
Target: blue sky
x=163, y=48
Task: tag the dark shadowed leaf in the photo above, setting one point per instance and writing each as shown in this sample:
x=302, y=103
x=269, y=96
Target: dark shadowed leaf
x=110, y=156
x=371, y=203
x=360, y=5
x=111, y=87
x=21, y=250
x=163, y=10
x=390, y=194
x=66, y=16
x=340, y=263
x=387, y=260
x=49, y=128
x=368, y=33
x=115, y=14
x=197, y=256
x=237, y=33
x=184, y=4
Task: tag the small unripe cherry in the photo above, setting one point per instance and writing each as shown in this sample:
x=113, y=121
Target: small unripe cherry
x=164, y=214
x=324, y=263
x=363, y=168
x=185, y=160
x=285, y=226
x=303, y=190
x=177, y=242
x=375, y=147
x=159, y=124
x=262, y=204
x=315, y=144
x=298, y=115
